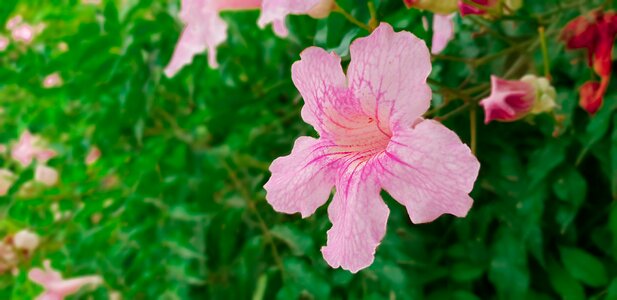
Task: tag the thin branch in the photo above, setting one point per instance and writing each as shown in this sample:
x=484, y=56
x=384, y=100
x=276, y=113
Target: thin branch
x=350, y=18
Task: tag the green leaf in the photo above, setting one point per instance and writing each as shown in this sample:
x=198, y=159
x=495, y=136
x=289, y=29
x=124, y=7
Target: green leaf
x=563, y=283
x=584, y=266
x=303, y=281
x=571, y=188
x=614, y=159
x=545, y=159
x=508, y=270
x=299, y=242
x=611, y=293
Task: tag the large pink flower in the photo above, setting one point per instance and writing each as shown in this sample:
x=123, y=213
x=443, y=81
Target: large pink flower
x=204, y=30
x=275, y=12
x=372, y=136
x=28, y=148
x=57, y=288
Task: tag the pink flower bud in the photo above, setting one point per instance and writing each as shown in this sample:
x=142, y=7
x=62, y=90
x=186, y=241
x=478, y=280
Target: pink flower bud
x=26, y=240
x=52, y=80
x=510, y=100
x=93, y=155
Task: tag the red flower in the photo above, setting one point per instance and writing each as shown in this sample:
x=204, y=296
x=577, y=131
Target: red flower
x=595, y=32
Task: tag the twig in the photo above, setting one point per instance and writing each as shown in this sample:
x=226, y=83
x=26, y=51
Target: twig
x=473, y=124
x=351, y=18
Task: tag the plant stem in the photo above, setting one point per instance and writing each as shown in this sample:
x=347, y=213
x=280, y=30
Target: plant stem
x=374, y=22
x=547, y=68
x=351, y=18
x=473, y=124
x=452, y=113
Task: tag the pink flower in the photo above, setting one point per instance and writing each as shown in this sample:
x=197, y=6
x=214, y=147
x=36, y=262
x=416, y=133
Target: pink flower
x=57, y=288
x=28, y=148
x=443, y=32
x=4, y=43
x=46, y=175
x=372, y=136
x=510, y=100
x=6, y=181
x=91, y=2
x=13, y=22
x=52, y=80
x=93, y=155
x=23, y=33
x=275, y=12
x=204, y=30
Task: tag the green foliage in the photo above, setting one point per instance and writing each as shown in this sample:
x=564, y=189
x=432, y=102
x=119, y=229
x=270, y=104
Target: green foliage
x=175, y=208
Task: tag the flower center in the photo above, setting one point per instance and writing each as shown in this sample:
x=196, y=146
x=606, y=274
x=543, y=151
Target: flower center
x=360, y=137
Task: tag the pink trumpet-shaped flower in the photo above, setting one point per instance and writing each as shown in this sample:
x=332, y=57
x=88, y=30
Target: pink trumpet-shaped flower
x=275, y=12
x=510, y=100
x=443, y=32
x=28, y=148
x=372, y=136
x=57, y=288
x=204, y=30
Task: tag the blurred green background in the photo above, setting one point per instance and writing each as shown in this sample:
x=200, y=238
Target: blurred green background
x=175, y=208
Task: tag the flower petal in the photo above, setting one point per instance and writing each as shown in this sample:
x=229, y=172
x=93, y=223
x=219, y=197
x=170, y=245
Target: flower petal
x=71, y=286
x=592, y=95
x=318, y=75
x=207, y=32
x=388, y=73
x=359, y=217
x=44, y=277
x=430, y=171
x=302, y=181
x=443, y=32
x=275, y=11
